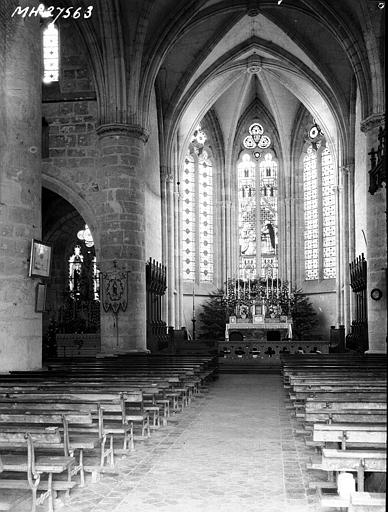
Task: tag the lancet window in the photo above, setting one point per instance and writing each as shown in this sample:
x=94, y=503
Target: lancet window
x=83, y=276
x=319, y=180
x=50, y=54
x=197, y=211
x=257, y=175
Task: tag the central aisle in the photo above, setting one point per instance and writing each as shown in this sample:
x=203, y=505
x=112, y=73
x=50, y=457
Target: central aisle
x=232, y=450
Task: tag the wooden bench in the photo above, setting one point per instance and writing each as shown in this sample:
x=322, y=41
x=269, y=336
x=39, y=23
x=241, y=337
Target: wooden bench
x=359, y=461
x=349, y=435
x=31, y=466
x=356, y=502
x=22, y=421
x=343, y=412
x=97, y=404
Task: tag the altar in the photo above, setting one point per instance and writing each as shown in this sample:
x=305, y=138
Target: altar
x=267, y=330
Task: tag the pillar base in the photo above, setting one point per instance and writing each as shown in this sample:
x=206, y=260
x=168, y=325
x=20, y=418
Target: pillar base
x=376, y=351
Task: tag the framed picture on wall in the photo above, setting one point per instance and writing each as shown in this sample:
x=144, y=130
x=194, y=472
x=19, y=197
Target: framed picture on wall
x=40, y=298
x=40, y=259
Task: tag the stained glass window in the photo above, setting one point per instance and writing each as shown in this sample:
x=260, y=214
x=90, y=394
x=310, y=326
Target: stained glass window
x=311, y=222
x=328, y=215
x=197, y=211
x=83, y=267
x=189, y=219
x=319, y=179
x=268, y=212
x=50, y=54
x=75, y=267
x=247, y=217
x=205, y=203
x=258, y=208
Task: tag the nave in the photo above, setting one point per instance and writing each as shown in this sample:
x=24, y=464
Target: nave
x=232, y=450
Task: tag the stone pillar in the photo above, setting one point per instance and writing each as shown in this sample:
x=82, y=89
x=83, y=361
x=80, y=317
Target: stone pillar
x=376, y=248
x=163, y=193
x=352, y=237
x=178, y=264
x=121, y=223
x=345, y=242
x=338, y=190
x=20, y=187
x=170, y=249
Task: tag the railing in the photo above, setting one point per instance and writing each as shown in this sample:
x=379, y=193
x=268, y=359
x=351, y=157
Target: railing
x=266, y=352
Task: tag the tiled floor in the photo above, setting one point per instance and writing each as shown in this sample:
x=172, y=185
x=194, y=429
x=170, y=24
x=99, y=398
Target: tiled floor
x=232, y=450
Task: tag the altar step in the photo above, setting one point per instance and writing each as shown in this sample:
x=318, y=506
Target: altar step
x=248, y=368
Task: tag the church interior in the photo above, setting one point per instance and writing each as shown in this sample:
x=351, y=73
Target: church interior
x=193, y=256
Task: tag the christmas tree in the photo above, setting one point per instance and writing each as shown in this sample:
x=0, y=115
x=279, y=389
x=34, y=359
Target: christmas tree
x=303, y=316
x=214, y=316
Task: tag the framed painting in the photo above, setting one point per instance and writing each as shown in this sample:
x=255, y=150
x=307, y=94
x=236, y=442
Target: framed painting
x=40, y=298
x=40, y=259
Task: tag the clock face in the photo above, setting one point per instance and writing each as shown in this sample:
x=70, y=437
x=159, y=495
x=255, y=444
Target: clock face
x=313, y=133
x=376, y=294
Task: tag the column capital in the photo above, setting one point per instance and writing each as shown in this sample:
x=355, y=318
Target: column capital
x=347, y=169
x=122, y=130
x=372, y=121
x=166, y=174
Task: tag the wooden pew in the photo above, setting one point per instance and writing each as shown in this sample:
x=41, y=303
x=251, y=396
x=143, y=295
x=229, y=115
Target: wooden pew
x=359, y=461
x=96, y=385
x=97, y=404
x=343, y=412
x=31, y=466
x=22, y=421
x=367, y=435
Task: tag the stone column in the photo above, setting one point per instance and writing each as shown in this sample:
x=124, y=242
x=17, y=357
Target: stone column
x=20, y=186
x=163, y=193
x=376, y=248
x=170, y=249
x=121, y=223
x=352, y=237
x=338, y=190
x=178, y=264
x=344, y=231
